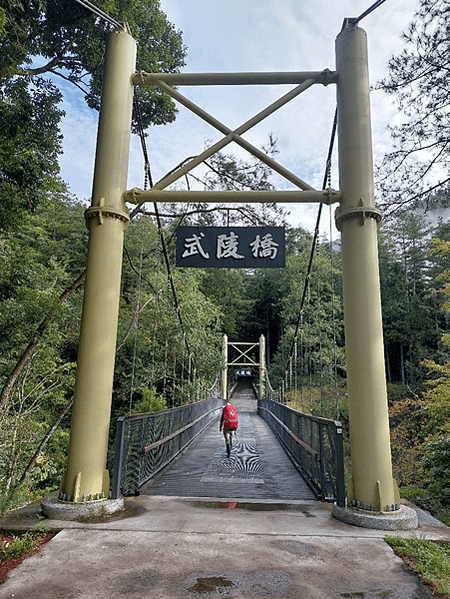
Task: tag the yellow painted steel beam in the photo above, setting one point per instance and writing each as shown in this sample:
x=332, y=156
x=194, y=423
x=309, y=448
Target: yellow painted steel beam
x=225, y=368
x=273, y=164
x=262, y=367
x=231, y=136
x=328, y=196
x=243, y=353
x=324, y=77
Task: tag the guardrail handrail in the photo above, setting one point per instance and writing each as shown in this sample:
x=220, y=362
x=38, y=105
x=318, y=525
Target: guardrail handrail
x=314, y=444
x=146, y=443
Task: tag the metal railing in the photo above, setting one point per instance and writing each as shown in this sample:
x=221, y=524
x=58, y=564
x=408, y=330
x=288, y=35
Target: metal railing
x=146, y=443
x=315, y=446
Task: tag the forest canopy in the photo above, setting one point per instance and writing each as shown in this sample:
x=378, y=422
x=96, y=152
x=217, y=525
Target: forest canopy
x=43, y=42
x=416, y=172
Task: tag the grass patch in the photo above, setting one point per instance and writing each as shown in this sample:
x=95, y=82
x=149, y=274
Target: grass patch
x=14, y=548
x=430, y=559
x=20, y=544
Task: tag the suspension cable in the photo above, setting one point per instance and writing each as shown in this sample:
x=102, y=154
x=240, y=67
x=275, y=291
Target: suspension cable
x=148, y=179
x=138, y=301
x=333, y=317
x=100, y=13
x=326, y=183
x=319, y=326
x=367, y=12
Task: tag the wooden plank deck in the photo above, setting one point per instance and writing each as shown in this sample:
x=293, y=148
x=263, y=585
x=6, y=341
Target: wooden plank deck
x=258, y=469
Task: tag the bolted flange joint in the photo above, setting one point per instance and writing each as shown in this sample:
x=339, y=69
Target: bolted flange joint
x=103, y=211
x=395, y=507
x=362, y=212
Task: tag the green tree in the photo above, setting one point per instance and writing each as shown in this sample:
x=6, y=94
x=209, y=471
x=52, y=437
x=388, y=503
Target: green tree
x=436, y=466
x=408, y=306
x=418, y=80
x=229, y=289
x=149, y=402
x=39, y=260
x=62, y=38
x=29, y=147
x=310, y=307
x=395, y=322
x=50, y=40
x=153, y=348
x=437, y=396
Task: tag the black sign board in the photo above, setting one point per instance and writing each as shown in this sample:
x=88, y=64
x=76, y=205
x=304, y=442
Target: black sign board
x=231, y=247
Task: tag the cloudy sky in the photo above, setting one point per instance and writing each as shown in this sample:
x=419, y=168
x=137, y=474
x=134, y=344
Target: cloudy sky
x=245, y=35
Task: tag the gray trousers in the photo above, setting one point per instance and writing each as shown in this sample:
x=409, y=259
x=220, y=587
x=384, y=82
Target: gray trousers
x=228, y=437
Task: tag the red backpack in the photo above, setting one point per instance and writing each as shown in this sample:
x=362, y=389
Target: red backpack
x=230, y=418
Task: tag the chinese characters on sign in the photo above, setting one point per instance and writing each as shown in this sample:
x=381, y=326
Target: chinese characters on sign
x=231, y=247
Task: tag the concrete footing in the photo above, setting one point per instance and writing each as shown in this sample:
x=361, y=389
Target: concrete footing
x=404, y=519
x=54, y=509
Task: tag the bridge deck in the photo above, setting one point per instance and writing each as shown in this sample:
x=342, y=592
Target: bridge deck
x=258, y=467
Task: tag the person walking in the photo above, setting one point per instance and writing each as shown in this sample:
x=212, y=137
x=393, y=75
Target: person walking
x=229, y=422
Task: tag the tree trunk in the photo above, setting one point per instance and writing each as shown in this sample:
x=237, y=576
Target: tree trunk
x=388, y=366
x=42, y=444
x=39, y=333
x=402, y=364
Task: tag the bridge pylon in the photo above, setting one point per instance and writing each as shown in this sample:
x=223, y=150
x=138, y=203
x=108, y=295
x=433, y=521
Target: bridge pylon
x=245, y=358
x=372, y=489
x=86, y=479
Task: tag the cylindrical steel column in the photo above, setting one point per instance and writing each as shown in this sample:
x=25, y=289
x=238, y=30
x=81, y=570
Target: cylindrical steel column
x=86, y=477
x=372, y=487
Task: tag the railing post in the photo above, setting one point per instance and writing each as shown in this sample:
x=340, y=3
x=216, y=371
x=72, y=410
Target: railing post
x=118, y=458
x=339, y=462
x=322, y=461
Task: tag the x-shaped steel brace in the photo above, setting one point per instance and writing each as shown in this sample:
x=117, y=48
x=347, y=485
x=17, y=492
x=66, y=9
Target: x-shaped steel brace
x=233, y=135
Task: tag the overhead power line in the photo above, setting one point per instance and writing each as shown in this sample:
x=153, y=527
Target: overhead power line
x=100, y=13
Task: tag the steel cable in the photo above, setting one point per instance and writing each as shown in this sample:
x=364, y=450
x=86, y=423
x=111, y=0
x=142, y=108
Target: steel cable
x=326, y=182
x=149, y=180
x=100, y=13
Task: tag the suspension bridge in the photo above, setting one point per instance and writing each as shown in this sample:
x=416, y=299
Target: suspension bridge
x=278, y=454
x=148, y=443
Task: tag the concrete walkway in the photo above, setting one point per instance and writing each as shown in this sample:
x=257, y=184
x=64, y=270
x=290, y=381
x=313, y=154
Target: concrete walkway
x=173, y=547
